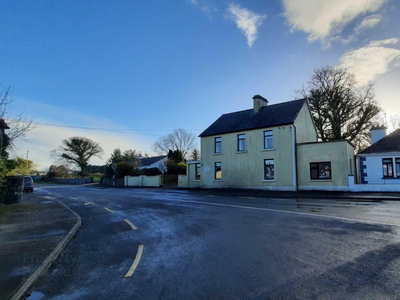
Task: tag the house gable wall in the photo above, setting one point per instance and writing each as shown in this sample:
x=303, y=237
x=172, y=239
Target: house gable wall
x=305, y=129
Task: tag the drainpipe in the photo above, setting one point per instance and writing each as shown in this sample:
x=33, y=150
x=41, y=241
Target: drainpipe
x=294, y=134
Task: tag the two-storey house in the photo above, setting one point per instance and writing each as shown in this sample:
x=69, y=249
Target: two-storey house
x=269, y=147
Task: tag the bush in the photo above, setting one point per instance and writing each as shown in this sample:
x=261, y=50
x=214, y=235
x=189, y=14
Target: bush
x=151, y=172
x=177, y=169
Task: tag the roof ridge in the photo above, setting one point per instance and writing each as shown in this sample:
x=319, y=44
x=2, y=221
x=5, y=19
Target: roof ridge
x=275, y=104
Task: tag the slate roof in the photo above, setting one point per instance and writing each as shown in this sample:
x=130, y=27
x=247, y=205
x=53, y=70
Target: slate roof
x=269, y=116
x=147, y=161
x=390, y=143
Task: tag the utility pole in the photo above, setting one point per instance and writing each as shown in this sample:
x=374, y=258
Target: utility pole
x=27, y=161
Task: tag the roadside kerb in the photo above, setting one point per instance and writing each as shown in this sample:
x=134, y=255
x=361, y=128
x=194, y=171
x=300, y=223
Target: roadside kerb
x=22, y=291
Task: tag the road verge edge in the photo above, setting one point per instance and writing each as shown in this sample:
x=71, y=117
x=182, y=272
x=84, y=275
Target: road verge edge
x=22, y=291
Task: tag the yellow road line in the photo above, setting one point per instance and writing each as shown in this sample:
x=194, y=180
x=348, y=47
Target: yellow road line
x=130, y=224
x=108, y=209
x=135, y=262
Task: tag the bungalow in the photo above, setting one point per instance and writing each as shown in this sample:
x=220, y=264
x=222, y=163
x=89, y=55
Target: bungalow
x=380, y=163
x=271, y=147
x=153, y=162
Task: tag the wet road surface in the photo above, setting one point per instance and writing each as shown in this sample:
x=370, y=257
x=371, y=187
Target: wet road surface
x=197, y=246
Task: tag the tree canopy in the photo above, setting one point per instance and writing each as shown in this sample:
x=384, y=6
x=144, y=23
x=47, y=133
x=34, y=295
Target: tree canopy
x=341, y=108
x=78, y=151
x=178, y=139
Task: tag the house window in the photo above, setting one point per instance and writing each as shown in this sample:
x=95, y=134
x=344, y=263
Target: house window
x=269, y=169
x=321, y=170
x=217, y=148
x=387, y=167
x=218, y=171
x=241, y=141
x=398, y=167
x=198, y=171
x=268, y=139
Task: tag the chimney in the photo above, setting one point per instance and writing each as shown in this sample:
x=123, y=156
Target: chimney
x=259, y=102
x=378, y=133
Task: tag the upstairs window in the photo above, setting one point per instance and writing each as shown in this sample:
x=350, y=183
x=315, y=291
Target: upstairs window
x=398, y=167
x=218, y=171
x=320, y=170
x=241, y=142
x=269, y=169
x=198, y=171
x=387, y=164
x=217, y=147
x=268, y=136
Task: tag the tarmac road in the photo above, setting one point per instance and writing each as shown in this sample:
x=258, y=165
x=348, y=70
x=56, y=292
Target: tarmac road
x=212, y=246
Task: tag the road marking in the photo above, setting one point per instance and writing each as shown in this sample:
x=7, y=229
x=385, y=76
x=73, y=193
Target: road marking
x=108, y=209
x=88, y=202
x=279, y=211
x=246, y=197
x=135, y=262
x=130, y=224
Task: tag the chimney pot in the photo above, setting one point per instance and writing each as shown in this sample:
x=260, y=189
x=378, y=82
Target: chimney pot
x=259, y=102
x=378, y=133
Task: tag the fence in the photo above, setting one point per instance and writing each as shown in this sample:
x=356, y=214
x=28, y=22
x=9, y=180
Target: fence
x=142, y=180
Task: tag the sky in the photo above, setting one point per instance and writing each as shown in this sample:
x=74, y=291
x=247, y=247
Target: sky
x=153, y=66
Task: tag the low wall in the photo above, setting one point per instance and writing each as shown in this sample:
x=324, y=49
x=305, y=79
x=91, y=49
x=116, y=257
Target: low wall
x=148, y=181
x=74, y=180
x=110, y=182
x=182, y=181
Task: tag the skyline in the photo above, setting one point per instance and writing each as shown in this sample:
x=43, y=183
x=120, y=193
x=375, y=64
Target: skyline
x=160, y=66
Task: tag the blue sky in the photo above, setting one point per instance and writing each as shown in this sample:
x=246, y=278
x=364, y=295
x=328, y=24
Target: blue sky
x=160, y=65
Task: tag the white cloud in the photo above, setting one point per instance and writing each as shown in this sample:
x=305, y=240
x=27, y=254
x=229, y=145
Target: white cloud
x=372, y=60
x=204, y=6
x=322, y=19
x=367, y=23
x=245, y=20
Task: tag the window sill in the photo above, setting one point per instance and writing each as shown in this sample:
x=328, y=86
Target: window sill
x=390, y=177
x=217, y=180
x=268, y=180
x=320, y=180
x=196, y=180
x=269, y=149
x=240, y=152
x=218, y=153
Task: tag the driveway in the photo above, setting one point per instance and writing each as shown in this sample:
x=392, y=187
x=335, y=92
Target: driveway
x=158, y=244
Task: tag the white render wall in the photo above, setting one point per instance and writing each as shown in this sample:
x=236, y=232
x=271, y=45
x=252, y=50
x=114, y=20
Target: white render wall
x=374, y=170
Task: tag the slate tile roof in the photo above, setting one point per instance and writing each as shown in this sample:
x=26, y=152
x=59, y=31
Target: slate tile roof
x=269, y=116
x=147, y=161
x=390, y=143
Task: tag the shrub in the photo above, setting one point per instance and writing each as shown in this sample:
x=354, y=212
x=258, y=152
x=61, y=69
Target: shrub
x=151, y=172
x=177, y=169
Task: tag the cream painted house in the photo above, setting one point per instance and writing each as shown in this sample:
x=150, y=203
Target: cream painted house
x=272, y=147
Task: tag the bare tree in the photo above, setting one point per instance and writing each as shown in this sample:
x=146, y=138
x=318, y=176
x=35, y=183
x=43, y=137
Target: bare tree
x=341, y=109
x=179, y=139
x=18, y=124
x=394, y=123
x=78, y=151
x=195, y=155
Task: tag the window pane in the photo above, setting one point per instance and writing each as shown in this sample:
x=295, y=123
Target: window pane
x=268, y=144
x=314, y=173
x=390, y=170
x=324, y=170
x=269, y=169
x=387, y=160
x=241, y=145
x=241, y=136
x=217, y=148
x=197, y=171
x=218, y=171
x=398, y=169
x=385, y=172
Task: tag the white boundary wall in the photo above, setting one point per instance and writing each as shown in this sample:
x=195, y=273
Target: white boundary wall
x=148, y=181
x=353, y=187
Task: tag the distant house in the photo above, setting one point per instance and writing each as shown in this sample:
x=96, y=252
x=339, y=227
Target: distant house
x=153, y=162
x=271, y=147
x=380, y=163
